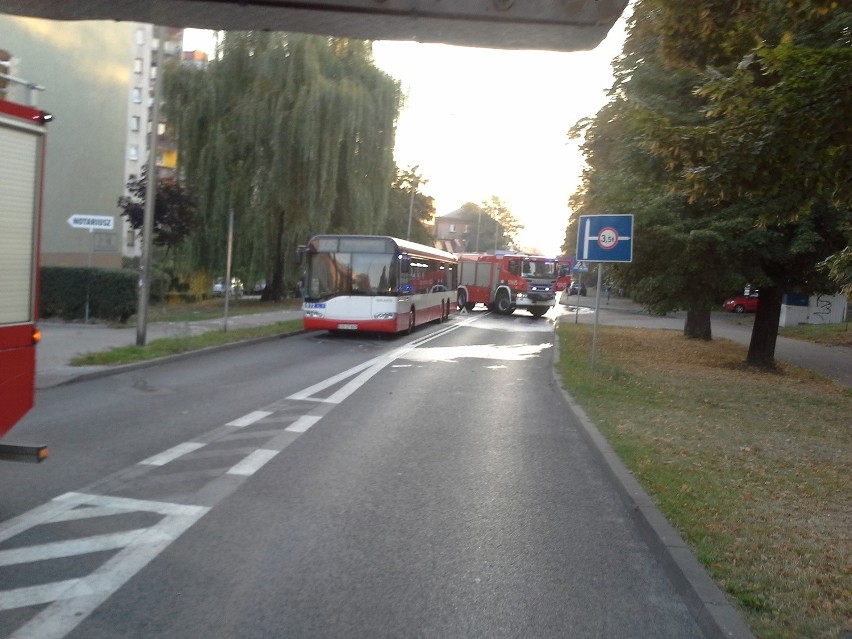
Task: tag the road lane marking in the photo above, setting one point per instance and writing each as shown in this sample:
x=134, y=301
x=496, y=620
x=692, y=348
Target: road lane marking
x=303, y=423
x=253, y=462
x=38, y=595
x=248, y=420
x=72, y=547
x=161, y=459
x=64, y=604
x=364, y=371
x=68, y=602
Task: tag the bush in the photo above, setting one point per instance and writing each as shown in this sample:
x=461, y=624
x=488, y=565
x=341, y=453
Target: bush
x=112, y=293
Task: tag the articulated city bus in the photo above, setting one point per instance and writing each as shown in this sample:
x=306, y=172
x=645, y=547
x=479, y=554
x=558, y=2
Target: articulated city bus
x=375, y=283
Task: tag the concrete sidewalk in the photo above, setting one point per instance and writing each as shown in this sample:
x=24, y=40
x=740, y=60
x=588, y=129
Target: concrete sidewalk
x=63, y=341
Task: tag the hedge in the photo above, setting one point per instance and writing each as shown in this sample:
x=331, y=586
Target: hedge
x=112, y=293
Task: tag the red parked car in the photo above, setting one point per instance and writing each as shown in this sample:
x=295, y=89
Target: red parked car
x=742, y=303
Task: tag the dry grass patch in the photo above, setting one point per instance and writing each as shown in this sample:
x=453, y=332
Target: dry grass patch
x=751, y=466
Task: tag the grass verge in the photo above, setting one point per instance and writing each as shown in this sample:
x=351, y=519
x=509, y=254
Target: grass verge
x=174, y=345
x=752, y=467
x=827, y=334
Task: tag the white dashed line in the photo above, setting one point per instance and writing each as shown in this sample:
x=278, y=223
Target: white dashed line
x=253, y=462
x=303, y=423
x=171, y=454
x=251, y=418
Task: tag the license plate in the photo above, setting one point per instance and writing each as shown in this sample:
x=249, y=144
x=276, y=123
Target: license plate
x=347, y=327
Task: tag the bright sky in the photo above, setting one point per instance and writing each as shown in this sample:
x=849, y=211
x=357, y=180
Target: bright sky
x=483, y=122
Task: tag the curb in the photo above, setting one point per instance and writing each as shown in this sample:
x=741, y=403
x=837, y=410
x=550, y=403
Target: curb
x=715, y=616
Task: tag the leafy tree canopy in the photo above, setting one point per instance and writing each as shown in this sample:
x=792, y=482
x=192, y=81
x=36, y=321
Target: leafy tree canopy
x=421, y=209
x=728, y=134
x=174, y=209
x=295, y=134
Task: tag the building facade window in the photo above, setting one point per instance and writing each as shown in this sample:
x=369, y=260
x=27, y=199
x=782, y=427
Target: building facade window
x=137, y=66
x=133, y=152
x=137, y=95
x=135, y=123
x=131, y=238
x=452, y=228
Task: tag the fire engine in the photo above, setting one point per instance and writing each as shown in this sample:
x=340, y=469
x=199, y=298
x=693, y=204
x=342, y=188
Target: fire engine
x=564, y=264
x=504, y=281
x=22, y=142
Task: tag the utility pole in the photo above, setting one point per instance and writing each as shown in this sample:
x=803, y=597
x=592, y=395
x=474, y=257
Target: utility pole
x=415, y=180
x=150, y=197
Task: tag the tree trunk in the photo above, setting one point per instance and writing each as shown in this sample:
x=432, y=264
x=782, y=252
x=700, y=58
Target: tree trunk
x=277, y=283
x=697, y=325
x=761, y=349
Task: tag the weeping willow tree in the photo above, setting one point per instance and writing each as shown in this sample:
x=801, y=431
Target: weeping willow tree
x=295, y=134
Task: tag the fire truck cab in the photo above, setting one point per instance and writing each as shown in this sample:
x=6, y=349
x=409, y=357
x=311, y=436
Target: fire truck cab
x=506, y=281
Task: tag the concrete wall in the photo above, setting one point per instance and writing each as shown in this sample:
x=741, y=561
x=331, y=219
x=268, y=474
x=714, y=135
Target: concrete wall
x=86, y=68
x=820, y=309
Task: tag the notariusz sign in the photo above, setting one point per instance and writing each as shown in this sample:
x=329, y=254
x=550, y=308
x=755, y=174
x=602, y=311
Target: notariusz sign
x=98, y=222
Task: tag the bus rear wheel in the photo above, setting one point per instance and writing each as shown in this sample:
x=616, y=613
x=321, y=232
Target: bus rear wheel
x=538, y=312
x=410, y=322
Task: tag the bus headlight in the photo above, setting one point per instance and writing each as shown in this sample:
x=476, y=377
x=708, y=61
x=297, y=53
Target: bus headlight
x=313, y=313
x=384, y=315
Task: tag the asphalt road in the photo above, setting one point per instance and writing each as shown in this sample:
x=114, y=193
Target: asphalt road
x=434, y=486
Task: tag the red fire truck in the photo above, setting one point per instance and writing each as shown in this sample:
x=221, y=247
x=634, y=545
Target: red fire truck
x=564, y=264
x=22, y=143
x=504, y=281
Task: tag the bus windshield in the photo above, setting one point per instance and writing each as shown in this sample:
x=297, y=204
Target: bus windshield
x=334, y=274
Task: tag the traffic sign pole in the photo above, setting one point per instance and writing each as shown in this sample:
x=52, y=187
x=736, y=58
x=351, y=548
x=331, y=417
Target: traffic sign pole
x=597, y=308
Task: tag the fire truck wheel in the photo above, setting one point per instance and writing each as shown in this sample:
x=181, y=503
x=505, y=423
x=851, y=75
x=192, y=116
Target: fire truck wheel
x=504, y=306
x=410, y=322
x=538, y=312
x=461, y=300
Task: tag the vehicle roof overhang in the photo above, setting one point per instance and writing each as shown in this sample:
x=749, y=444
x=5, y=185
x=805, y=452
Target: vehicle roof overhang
x=558, y=25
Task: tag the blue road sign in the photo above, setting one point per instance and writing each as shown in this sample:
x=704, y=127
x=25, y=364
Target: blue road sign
x=605, y=238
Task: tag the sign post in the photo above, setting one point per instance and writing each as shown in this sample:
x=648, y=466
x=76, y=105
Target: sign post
x=604, y=238
x=92, y=223
x=579, y=267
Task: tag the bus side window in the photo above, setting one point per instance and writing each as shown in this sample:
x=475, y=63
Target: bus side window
x=404, y=275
